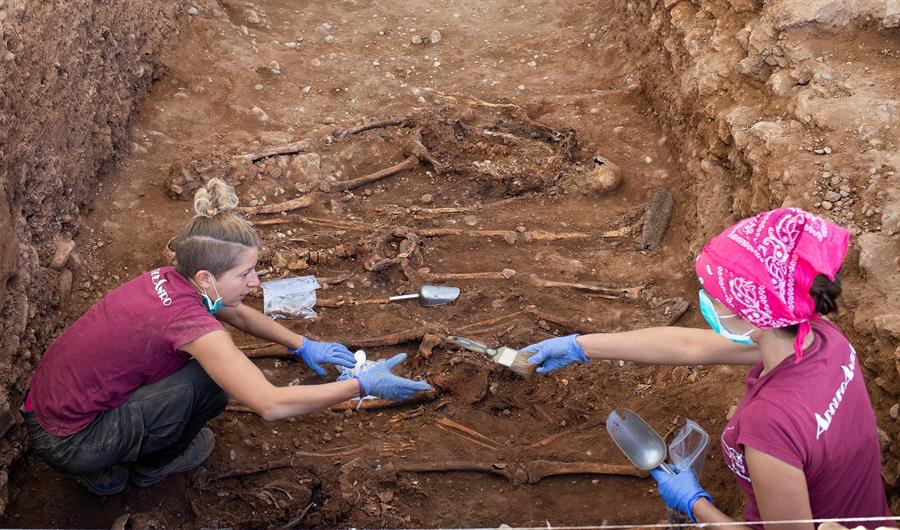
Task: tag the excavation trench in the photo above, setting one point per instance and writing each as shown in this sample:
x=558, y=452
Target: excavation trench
x=535, y=156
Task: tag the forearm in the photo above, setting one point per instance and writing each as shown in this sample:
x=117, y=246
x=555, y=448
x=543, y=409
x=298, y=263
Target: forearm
x=255, y=323
x=290, y=401
x=706, y=512
x=666, y=345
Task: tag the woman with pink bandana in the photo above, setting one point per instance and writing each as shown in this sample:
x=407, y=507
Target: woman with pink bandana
x=803, y=442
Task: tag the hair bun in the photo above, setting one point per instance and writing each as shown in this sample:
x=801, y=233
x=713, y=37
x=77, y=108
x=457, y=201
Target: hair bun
x=215, y=198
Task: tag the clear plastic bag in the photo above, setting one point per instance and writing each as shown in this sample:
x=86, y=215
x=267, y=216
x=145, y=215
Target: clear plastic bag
x=290, y=297
x=688, y=448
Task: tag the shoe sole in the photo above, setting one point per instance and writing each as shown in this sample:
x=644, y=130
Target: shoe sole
x=146, y=483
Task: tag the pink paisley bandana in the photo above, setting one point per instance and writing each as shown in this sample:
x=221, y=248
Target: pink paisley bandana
x=762, y=267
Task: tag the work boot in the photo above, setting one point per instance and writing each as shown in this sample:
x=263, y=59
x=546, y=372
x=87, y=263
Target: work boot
x=107, y=482
x=199, y=449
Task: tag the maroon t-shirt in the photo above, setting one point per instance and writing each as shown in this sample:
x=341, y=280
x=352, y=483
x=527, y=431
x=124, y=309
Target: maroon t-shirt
x=129, y=339
x=814, y=415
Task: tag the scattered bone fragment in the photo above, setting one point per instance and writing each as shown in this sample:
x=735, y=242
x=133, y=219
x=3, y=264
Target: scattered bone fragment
x=631, y=293
x=577, y=327
x=446, y=422
x=402, y=121
x=285, y=149
x=410, y=162
x=430, y=341
x=243, y=472
x=374, y=404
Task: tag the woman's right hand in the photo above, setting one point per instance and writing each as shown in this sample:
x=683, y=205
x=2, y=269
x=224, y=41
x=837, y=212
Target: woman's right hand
x=378, y=381
x=553, y=354
x=315, y=353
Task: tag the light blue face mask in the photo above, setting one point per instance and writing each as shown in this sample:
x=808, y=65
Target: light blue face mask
x=708, y=310
x=211, y=306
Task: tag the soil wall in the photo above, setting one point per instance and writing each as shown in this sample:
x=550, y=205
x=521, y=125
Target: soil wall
x=788, y=103
x=70, y=75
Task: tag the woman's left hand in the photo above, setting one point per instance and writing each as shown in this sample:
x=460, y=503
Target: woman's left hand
x=380, y=382
x=552, y=354
x=316, y=353
x=680, y=491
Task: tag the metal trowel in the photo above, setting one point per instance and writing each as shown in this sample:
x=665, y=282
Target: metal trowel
x=640, y=443
x=431, y=295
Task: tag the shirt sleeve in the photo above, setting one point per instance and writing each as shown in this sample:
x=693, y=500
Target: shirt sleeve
x=766, y=428
x=190, y=324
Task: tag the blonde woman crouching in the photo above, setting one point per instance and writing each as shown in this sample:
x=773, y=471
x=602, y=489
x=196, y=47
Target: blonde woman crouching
x=136, y=377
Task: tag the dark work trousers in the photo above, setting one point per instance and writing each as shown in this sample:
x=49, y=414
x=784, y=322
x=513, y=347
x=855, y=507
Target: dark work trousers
x=153, y=427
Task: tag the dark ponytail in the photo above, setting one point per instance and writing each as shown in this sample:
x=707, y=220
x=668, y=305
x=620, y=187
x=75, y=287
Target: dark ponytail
x=824, y=293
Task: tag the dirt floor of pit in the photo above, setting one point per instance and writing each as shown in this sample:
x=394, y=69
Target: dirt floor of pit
x=244, y=77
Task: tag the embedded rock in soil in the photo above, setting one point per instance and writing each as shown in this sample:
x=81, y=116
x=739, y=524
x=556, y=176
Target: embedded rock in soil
x=306, y=167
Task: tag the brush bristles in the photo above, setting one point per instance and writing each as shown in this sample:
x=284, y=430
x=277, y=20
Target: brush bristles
x=520, y=364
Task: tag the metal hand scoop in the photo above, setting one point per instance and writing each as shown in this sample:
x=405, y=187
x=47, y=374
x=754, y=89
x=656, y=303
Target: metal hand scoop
x=637, y=440
x=431, y=295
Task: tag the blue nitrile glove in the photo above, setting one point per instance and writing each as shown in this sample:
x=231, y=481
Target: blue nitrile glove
x=378, y=381
x=680, y=491
x=315, y=353
x=553, y=354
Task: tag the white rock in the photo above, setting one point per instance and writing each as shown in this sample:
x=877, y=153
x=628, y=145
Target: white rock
x=416, y=39
x=508, y=273
x=781, y=83
x=193, y=11
x=307, y=166
x=890, y=218
x=260, y=114
x=435, y=37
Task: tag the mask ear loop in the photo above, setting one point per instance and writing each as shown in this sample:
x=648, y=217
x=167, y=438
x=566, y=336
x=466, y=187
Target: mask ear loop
x=209, y=302
x=216, y=289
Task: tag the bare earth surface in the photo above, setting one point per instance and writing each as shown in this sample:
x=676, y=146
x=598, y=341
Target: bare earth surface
x=511, y=104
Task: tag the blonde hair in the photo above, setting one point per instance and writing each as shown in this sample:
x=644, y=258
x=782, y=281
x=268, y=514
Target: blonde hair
x=216, y=236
